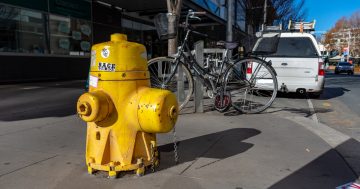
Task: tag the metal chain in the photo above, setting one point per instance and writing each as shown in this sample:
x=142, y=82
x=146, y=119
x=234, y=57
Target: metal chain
x=176, y=156
x=152, y=161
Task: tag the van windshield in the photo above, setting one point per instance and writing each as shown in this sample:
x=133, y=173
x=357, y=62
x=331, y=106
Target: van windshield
x=295, y=47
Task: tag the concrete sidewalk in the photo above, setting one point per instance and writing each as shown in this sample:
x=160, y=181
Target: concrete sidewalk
x=216, y=151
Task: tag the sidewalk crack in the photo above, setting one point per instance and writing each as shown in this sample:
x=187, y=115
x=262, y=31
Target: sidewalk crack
x=202, y=154
x=37, y=162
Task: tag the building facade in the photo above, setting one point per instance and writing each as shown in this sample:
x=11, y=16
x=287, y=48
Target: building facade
x=52, y=39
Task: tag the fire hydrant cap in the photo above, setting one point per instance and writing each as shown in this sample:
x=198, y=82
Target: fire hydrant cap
x=118, y=37
x=94, y=106
x=157, y=110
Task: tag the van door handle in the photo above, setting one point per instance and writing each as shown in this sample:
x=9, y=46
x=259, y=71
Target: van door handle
x=284, y=64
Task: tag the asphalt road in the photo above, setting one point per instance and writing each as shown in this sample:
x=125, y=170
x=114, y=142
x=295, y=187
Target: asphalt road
x=39, y=100
x=339, y=105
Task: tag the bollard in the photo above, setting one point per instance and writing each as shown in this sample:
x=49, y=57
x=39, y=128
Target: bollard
x=199, y=91
x=122, y=112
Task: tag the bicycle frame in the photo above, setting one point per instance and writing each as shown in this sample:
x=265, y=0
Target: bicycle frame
x=192, y=64
x=220, y=78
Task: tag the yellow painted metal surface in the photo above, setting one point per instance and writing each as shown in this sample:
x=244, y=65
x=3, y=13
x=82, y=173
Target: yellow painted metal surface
x=122, y=111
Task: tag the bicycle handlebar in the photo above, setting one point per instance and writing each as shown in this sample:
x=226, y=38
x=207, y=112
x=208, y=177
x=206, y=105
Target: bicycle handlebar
x=191, y=14
x=199, y=13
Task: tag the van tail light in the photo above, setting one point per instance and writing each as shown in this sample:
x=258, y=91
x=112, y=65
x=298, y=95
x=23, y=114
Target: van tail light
x=321, y=69
x=249, y=68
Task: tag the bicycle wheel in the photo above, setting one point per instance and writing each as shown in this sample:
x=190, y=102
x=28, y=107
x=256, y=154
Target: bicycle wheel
x=252, y=84
x=181, y=83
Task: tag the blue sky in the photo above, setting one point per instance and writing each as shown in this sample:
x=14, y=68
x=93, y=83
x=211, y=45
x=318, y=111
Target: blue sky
x=327, y=12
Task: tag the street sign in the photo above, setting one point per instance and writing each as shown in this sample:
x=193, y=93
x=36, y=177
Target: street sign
x=351, y=185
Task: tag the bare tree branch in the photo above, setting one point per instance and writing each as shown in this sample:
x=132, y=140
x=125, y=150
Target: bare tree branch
x=282, y=10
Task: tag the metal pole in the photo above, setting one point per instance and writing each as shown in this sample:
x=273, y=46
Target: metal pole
x=230, y=18
x=265, y=12
x=347, y=59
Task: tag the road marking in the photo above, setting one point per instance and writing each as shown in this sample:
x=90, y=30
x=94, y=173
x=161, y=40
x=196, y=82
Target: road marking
x=312, y=111
x=326, y=104
x=29, y=88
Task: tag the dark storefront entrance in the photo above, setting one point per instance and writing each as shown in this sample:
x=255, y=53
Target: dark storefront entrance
x=51, y=39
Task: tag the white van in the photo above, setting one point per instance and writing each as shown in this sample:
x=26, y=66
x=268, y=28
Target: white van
x=298, y=64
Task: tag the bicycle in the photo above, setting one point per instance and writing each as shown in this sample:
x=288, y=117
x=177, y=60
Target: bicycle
x=226, y=83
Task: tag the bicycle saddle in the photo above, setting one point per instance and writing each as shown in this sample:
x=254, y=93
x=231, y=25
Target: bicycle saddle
x=227, y=45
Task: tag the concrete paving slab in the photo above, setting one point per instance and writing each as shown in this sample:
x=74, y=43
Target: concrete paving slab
x=13, y=160
x=63, y=137
x=216, y=151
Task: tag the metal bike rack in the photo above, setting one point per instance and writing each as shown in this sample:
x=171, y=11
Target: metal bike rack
x=199, y=53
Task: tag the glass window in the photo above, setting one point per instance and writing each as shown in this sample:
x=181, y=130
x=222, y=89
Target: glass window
x=296, y=47
x=22, y=31
x=69, y=36
x=134, y=30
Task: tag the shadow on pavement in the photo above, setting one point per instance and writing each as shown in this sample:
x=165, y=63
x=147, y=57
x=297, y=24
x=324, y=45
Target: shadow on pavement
x=232, y=112
x=302, y=111
x=332, y=75
x=326, y=171
x=350, y=151
x=218, y=146
x=333, y=92
x=291, y=95
x=328, y=93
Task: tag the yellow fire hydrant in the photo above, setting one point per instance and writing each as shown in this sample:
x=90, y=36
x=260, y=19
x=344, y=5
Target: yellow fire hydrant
x=122, y=112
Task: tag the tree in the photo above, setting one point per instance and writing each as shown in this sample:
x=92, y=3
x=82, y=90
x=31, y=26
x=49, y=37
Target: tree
x=174, y=8
x=289, y=10
x=346, y=31
x=281, y=10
